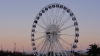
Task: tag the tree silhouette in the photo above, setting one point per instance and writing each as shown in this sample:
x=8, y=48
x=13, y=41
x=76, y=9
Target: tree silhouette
x=98, y=51
x=9, y=53
x=94, y=50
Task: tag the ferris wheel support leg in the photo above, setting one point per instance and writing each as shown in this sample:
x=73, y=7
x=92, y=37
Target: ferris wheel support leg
x=53, y=48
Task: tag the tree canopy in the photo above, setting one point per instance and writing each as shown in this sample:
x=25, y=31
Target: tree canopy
x=94, y=50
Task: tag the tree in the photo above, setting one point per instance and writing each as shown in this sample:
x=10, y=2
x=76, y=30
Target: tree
x=94, y=50
x=98, y=51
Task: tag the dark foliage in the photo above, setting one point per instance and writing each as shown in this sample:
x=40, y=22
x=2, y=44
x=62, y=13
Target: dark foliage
x=9, y=53
x=94, y=50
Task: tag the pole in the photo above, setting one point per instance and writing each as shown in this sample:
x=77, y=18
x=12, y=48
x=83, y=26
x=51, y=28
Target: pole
x=23, y=48
x=1, y=47
x=14, y=47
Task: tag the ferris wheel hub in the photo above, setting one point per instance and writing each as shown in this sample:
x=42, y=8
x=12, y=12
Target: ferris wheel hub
x=52, y=32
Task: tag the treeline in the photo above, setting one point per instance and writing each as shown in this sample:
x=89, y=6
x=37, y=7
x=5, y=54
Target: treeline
x=9, y=53
x=94, y=50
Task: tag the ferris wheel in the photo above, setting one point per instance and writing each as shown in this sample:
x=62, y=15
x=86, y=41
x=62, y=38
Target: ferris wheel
x=54, y=31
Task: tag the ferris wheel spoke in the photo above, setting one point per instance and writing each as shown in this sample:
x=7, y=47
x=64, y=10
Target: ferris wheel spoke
x=56, y=15
x=41, y=26
x=39, y=38
x=67, y=34
x=60, y=45
x=59, y=48
x=47, y=47
x=65, y=41
x=55, y=48
x=47, y=17
x=61, y=16
x=62, y=48
x=51, y=16
x=42, y=46
x=39, y=32
x=43, y=21
x=63, y=22
x=40, y=43
x=66, y=27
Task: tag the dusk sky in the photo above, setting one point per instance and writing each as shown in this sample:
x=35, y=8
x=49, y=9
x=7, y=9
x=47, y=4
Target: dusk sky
x=17, y=16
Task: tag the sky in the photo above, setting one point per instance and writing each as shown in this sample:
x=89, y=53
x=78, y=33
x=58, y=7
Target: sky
x=17, y=16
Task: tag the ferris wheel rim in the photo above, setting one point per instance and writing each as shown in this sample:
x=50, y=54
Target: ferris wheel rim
x=74, y=19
